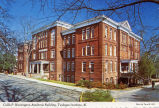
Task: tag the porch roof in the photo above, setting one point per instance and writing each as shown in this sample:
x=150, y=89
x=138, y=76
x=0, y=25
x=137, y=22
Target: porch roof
x=40, y=62
x=128, y=61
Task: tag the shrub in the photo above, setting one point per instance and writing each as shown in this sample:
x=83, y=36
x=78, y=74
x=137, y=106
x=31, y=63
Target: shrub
x=121, y=86
x=97, y=96
x=109, y=86
x=84, y=83
x=96, y=85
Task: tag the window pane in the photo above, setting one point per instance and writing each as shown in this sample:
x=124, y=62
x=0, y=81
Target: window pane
x=73, y=52
x=92, y=50
x=83, y=51
x=83, y=66
x=115, y=35
x=92, y=32
x=83, y=34
x=88, y=33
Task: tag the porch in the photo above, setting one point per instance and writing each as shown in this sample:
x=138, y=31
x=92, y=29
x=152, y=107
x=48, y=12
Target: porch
x=39, y=68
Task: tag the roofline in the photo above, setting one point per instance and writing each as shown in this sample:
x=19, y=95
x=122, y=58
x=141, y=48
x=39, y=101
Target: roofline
x=97, y=19
x=53, y=24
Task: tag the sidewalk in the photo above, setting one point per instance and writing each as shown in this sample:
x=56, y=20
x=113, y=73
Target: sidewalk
x=52, y=84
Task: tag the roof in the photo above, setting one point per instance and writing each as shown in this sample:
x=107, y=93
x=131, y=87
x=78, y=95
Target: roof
x=72, y=28
x=53, y=24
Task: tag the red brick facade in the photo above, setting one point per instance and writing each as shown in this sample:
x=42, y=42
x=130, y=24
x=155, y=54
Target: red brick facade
x=94, y=49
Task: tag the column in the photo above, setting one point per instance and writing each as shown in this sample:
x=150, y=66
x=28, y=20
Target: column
x=30, y=68
x=41, y=69
x=33, y=68
x=37, y=68
x=130, y=66
x=120, y=68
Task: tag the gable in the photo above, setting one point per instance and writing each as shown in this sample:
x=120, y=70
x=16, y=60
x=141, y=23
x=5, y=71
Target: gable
x=126, y=25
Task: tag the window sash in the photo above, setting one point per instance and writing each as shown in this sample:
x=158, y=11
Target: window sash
x=83, y=66
x=73, y=52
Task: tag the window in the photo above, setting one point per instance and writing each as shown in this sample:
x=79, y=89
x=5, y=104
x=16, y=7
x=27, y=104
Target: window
x=73, y=39
x=92, y=50
x=68, y=78
x=68, y=66
x=83, y=51
x=73, y=52
x=34, y=43
x=52, y=67
x=115, y=66
x=106, y=31
x=110, y=50
x=115, y=35
x=64, y=66
x=39, y=56
x=53, y=38
x=53, y=54
x=72, y=79
x=69, y=40
x=39, y=44
x=83, y=34
x=111, y=36
x=46, y=34
x=45, y=43
x=106, y=66
x=91, y=66
x=88, y=50
x=111, y=66
x=114, y=50
x=92, y=32
x=68, y=53
x=83, y=66
x=64, y=53
x=42, y=55
x=73, y=66
x=111, y=80
x=123, y=38
x=87, y=33
x=91, y=79
x=107, y=80
x=106, y=52
x=34, y=56
x=64, y=41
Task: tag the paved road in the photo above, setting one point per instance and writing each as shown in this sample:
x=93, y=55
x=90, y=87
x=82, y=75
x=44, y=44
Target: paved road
x=28, y=91
x=138, y=94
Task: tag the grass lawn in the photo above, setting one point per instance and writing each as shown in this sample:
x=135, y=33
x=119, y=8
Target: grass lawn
x=58, y=82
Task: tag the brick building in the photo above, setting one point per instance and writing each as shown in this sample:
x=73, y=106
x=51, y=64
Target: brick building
x=22, y=58
x=98, y=49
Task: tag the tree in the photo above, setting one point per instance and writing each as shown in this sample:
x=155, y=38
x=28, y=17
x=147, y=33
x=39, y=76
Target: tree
x=7, y=62
x=146, y=66
x=8, y=42
x=123, y=9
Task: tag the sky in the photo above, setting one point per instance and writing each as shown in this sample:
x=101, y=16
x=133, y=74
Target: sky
x=22, y=9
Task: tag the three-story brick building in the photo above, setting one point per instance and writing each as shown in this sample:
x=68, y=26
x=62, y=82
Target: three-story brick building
x=98, y=49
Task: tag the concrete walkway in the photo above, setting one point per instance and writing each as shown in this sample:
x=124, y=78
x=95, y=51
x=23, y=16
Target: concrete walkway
x=52, y=84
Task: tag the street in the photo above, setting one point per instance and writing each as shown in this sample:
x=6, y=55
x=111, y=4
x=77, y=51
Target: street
x=28, y=91
x=145, y=94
